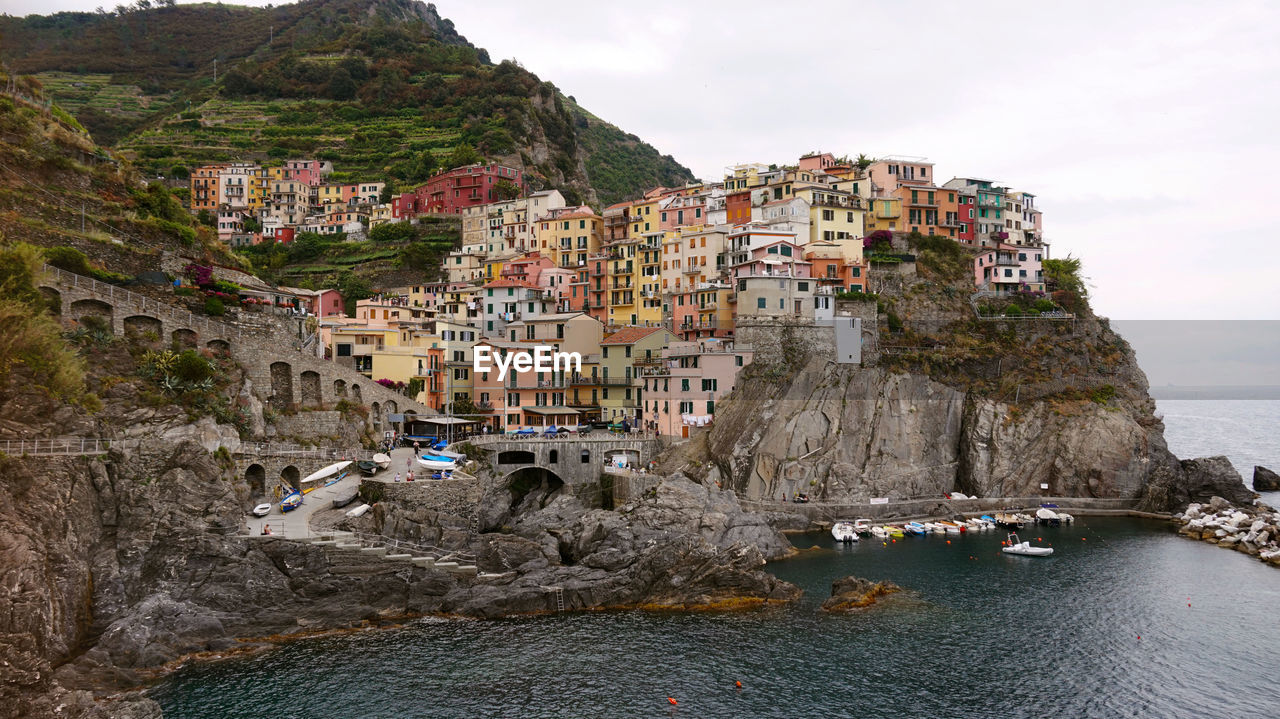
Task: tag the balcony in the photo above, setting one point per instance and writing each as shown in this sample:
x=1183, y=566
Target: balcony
x=483, y=406
x=1007, y=261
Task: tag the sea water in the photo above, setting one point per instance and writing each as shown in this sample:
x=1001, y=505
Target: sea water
x=1126, y=619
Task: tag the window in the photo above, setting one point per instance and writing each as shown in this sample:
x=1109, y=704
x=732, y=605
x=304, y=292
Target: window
x=626, y=351
x=739, y=360
x=708, y=385
x=802, y=286
x=828, y=215
x=684, y=385
x=760, y=303
x=586, y=456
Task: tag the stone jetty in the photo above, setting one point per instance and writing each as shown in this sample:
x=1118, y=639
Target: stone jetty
x=1254, y=530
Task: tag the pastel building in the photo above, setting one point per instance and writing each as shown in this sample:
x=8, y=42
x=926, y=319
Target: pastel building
x=681, y=393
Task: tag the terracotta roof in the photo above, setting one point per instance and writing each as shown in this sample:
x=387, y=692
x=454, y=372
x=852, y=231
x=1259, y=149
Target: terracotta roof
x=630, y=335
x=513, y=283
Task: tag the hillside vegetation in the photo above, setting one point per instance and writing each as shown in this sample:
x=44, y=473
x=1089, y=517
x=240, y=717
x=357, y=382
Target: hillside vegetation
x=380, y=87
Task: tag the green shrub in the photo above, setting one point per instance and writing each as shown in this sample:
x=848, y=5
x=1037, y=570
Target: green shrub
x=895, y=322
x=1012, y=311
x=213, y=307
x=1043, y=305
x=189, y=366
x=856, y=296
x=1103, y=394
x=184, y=291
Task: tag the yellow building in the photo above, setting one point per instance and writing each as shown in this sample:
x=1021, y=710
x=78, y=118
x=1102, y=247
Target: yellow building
x=648, y=278
x=622, y=354
x=569, y=236
x=885, y=213
x=834, y=215
x=620, y=280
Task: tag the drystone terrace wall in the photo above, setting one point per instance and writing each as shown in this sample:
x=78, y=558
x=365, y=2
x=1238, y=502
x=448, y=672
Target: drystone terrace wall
x=459, y=497
x=281, y=375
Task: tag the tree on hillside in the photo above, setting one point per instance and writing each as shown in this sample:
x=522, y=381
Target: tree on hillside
x=341, y=86
x=461, y=155
x=394, y=232
x=353, y=288
x=506, y=190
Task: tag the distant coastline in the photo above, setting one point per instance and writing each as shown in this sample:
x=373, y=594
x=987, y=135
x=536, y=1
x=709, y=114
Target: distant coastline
x=1215, y=392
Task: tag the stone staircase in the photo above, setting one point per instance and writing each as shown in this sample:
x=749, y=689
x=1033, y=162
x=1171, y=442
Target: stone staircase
x=347, y=544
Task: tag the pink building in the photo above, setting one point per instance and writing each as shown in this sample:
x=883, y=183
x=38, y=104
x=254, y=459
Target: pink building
x=682, y=393
x=775, y=258
x=1006, y=268
x=525, y=400
x=311, y=172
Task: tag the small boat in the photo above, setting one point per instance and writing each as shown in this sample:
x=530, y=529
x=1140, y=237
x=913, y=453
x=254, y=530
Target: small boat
x=1048, y=516
x=358, y=511
x=988, y=518
x=346, y=498
x=862, y=526
x=262, y=510
x=368, y=466
x=382, y=460
x=1066, y=518
x=326, y=472
x=1008, y=520
x=435, y=461
x=951, y=527
x=879, y=532
x=291, y=502
x=844, y=532
x=1019, y=547
x=894, y=531
x=914, y=528
x=935, y=528
x=336, y=479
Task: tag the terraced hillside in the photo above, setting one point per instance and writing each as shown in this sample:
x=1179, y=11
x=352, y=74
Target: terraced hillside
x=383, y=87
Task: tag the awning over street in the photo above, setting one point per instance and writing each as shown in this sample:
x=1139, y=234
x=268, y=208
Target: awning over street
x=550, y=410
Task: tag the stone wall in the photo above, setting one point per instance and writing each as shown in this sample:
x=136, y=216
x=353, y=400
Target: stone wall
x=784, y=340
x=319, y=424
x=937, y=508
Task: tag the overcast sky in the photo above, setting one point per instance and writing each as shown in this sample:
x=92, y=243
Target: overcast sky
x=1146, y=129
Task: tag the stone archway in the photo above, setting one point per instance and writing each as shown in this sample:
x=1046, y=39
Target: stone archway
x=340, y=388
x=80, y=309
x=281, y=385
x=144, y=326
x=221, y=347
x=311, y=389
x=291, y=477
x=389, y=407
x=375, y=413
x=52, y=300
x=355, y=394
x=533, y=488
x=256, y=477
x=185, y=338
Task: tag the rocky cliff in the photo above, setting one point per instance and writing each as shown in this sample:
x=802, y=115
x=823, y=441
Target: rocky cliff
x=949, y=403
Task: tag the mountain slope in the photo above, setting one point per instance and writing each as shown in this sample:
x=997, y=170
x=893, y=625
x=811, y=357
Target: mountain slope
x=383, y=87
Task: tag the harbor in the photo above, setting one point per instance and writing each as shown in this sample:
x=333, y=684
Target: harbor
x=976, y=633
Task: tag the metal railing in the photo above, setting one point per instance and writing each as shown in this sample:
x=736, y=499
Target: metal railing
x=58, y=446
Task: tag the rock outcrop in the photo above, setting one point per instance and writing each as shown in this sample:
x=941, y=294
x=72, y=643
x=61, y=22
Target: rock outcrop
x=853, y=593
x=1195, y=480
x=1264, y=480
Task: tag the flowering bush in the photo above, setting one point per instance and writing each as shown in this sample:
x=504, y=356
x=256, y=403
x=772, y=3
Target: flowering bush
x=877, y=236
x=392, y=384
x=198, y=274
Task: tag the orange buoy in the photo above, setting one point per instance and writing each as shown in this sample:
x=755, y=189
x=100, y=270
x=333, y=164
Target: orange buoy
x=738, y=684
x=672, y=700
x=948, y=541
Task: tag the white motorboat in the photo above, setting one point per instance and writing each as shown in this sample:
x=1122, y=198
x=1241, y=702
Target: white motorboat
x=1045, y=515
x=1019, y=547
x=950, y=527
x=862, y=526
x=326, y=472
x=914, y=528
x=382, y=460
x=844, y=532
x=1066, y=518
x=358, y=511
x=879, y=532
x=935, y=528
x=262, y=510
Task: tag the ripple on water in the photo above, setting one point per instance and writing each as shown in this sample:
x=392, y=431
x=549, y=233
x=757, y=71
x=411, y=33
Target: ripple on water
x=989, y=636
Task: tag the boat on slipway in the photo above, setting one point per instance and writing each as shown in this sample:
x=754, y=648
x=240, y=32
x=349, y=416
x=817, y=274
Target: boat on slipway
x=437, y=461
x=369, y=467
x=382, y=460
x=844, y=532
x=291, y=502
x=326, y=472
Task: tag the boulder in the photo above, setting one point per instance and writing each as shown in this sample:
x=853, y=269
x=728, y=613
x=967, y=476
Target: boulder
x=854, y=593
x=1264, y=480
